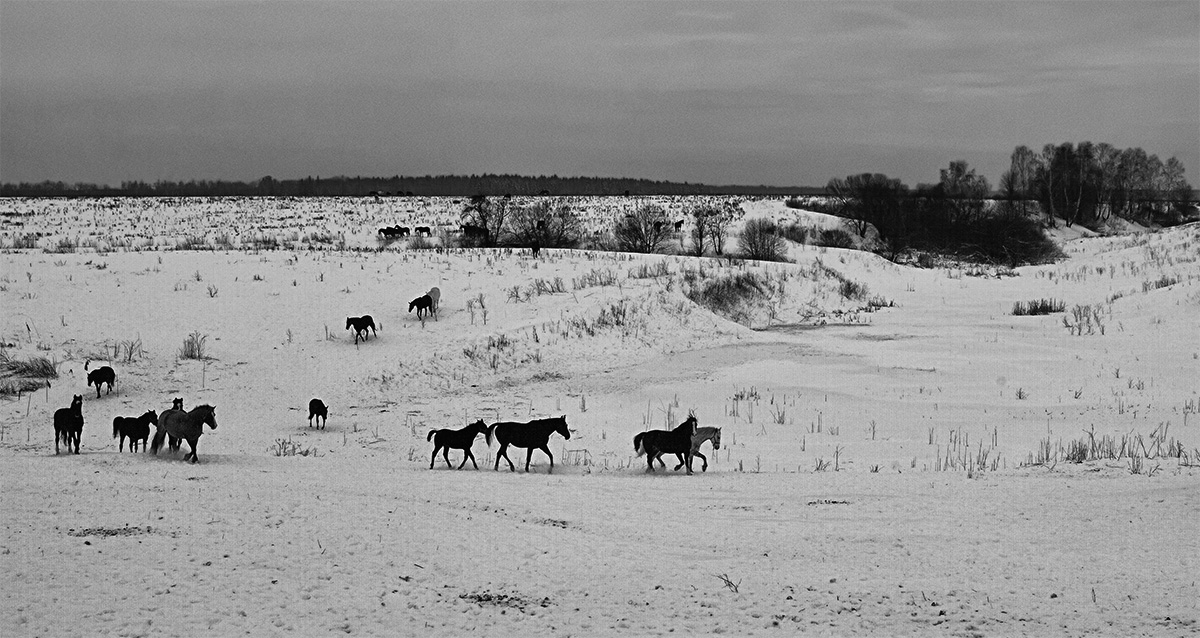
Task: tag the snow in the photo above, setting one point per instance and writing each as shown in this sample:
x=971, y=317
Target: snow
x=359, y=536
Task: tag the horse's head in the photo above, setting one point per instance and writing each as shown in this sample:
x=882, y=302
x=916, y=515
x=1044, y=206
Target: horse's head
x=77, y=402
x=561, y=427
x=412, y=304
x=716, y=439
x=349, y=320
x=210, y=417
x=177, y=403
x=152, y=415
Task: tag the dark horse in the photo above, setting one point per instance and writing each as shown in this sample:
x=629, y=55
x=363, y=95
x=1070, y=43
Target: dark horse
x=184, y=425
x=533, y=435
x=702, y=435
x=68, y=424
x=657, y=442
x=361, y=325
x=317, y=409
x=100, y=376
x=462, y=439
x=424, y=302
x=135, y=428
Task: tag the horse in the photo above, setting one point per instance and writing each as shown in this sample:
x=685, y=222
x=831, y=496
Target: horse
x=702, y=435
x=657, y=442
x=390, y=232
x=422, y=230
x=68, y=424
x=435, y=294
x=533, y=435
x=462, y=439
x=176, y=404
x=361, y=325
x=184, y=425
x=135, y=428
x=317, y=409
x=424, y=302
x=101, y=375
x=535, y=249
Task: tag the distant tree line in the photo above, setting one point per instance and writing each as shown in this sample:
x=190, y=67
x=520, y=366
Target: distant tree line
x=1083, y=184
x=397, y=186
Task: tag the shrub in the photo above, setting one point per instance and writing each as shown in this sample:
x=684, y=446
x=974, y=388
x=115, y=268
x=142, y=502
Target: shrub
x=835, y=238
x=727, y=296
x=193, y=347
x=1038, y=307
x=794, y=232
x=758, y=240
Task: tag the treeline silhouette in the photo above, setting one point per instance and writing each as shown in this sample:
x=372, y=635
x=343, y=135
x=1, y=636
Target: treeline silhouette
x=397, y=186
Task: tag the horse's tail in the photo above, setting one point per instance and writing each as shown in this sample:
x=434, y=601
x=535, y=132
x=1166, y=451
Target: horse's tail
x=431, y=433
x=159, y=435
x=116, y=426
x=637, y=444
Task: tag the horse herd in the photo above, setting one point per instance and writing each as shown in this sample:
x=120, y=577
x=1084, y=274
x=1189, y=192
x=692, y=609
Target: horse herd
x=174, y=425
x=177, y=425
x=425, y=305
x=684, y=441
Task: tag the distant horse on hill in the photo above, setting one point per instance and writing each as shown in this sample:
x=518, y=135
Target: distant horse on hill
x=462, y=439
x=534, y=435
x=135, y=429
x=657, y=442
x=702, y=435
x=317, y=410
x=68, y=424
x=360, y=326
x=99, y=376
x=184, y=425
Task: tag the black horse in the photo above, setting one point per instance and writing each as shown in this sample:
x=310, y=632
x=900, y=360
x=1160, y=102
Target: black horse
x=462, y=439
x=360, y=326
x=533, y=435
x=135, y=429
x=102, y=375
x=317, y=409
x=658, y=442
x=68, y=424
x=424, y=302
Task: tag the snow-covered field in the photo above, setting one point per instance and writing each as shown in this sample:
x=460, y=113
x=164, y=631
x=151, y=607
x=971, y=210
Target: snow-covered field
x=894, y=470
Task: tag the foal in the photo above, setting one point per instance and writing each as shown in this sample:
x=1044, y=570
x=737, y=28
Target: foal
x=462, y=439
x=424, y=302
x=360, y=326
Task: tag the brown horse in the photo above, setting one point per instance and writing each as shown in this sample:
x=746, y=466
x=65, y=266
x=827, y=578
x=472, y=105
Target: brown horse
x=184, y=425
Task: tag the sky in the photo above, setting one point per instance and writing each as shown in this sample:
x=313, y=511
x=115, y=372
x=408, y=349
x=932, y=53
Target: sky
x=779, y=93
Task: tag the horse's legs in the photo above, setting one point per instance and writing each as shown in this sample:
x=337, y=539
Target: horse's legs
x=446, y=456
x=650, y=454
x=546, y=449
x=76, y=437
x=504, y=452
x=192, y=443
x=702, y=458
x=467, y=455
x=528, y=457
x=433, y=459
x=689, y=463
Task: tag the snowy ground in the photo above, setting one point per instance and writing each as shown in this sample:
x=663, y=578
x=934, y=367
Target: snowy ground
x=927, y=518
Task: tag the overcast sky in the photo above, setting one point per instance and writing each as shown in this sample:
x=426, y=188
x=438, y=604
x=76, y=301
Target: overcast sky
x=783, y=93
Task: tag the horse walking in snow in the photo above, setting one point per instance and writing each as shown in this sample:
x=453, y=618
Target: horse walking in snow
x=462, y=439
x=658, y=442
x=534, y=435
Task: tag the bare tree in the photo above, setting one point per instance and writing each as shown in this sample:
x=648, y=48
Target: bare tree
x=758, y=240
x=548, y=222
x=486, y=218
x=644, y=230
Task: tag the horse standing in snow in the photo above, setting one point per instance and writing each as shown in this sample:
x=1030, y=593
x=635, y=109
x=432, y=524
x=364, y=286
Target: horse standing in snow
x=68, y=424
x=462, y=439
x=317, y=410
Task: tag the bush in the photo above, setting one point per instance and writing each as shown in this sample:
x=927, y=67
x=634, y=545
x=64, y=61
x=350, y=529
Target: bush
x=726, y=296
x=794, y=232
x=193, y=347
x=759, y=240
x=1038, y=307
x=835, y=238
